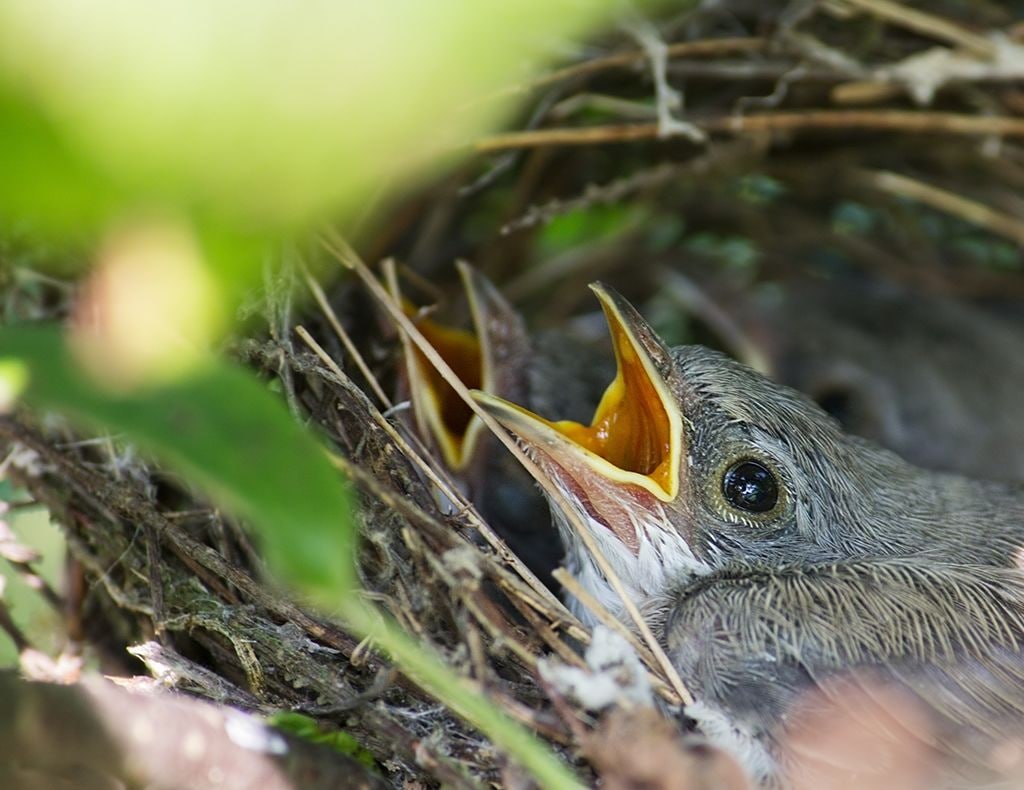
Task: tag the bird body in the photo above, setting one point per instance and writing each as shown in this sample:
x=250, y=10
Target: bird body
x=752, y=641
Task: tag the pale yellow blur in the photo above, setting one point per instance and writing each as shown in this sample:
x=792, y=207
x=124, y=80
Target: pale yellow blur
x=149, y=308
x=13, y=380
x=277, y=111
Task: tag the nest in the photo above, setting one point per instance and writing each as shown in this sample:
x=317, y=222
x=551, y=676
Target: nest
x=815, y=139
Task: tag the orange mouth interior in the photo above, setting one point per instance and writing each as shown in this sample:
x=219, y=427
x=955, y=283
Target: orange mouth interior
x=631, y=428
x=461, y=350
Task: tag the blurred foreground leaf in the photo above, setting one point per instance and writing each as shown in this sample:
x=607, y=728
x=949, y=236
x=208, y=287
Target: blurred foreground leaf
x=262, y=112
x=248, y=123
x=221, y=428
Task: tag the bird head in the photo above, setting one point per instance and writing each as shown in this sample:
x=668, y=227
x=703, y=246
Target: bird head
x=692, y=460
x=483, y=357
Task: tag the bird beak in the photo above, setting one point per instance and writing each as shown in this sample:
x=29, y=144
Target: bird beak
x=634, y=441
x=497, y=333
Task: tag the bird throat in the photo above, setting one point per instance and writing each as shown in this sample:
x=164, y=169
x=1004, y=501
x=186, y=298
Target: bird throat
x=631, y=428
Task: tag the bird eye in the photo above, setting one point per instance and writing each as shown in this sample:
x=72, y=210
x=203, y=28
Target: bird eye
x=749, y=485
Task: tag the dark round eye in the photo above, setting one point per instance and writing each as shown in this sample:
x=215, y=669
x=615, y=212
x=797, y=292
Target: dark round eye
x=751, y=486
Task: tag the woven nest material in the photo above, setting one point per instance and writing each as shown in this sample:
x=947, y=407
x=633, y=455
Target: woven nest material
x=772, y=141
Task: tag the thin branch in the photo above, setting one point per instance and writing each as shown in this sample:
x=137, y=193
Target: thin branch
x=136, y=509
x=509, y=582
x=948, y=202
x=668, y=100
x=904, y=121
x=21, y=559
x=683, y=49
x=438, y=478
x=926, y=24
x=346, y=341
x=594, y=606
x=9, y=627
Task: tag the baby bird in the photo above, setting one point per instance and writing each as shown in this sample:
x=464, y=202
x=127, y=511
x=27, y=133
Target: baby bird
x=771, y=551
x=499, y=356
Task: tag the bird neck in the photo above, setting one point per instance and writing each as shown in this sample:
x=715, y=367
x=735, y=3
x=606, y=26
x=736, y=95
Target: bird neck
x=661, y=560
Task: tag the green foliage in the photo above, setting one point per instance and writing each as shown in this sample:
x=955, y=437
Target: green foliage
x=759, y=189
x=664, y=231
x=267, y=112
x=307, y=728
x=595, y=224
x=850, y=218
x=985, y=250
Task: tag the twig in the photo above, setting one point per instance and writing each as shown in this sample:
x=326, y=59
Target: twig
x=346, y=341
x=926, y=24
x=683, y=49
x=20, y=559
x=668, y=100
x=436, y=476
x=511, y=584
x=135, y=509
x=338, y=247
x=905, y=121
x=420, y=459
x=155, y=578
x=565, y=711
x=586, y=135
x=466, y=599
x=948, y=202
x=546, y=633
x=538, y=721
x=616, y=190
x=8, y=626
x=675, y=695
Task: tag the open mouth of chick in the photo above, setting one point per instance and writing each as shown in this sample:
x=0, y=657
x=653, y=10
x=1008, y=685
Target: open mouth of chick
x=635, y=436
x=448, y=417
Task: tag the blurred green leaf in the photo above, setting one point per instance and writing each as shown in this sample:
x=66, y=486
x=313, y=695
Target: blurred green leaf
x=221, y=428
x=988, y=250
x=307, y=728
x=40, y=623
x=664, y=231
x=268, y=113
x=593, y=224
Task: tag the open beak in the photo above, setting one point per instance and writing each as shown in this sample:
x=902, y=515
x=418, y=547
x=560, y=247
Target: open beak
x=496, y=333
x=633, y=444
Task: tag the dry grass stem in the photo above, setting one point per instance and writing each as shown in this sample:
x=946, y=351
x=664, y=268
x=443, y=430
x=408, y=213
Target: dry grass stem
x=671, y=693
x=902, y=121
x=955, y=205
x=926, y=24
x=346, y=341
x=681, y=49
